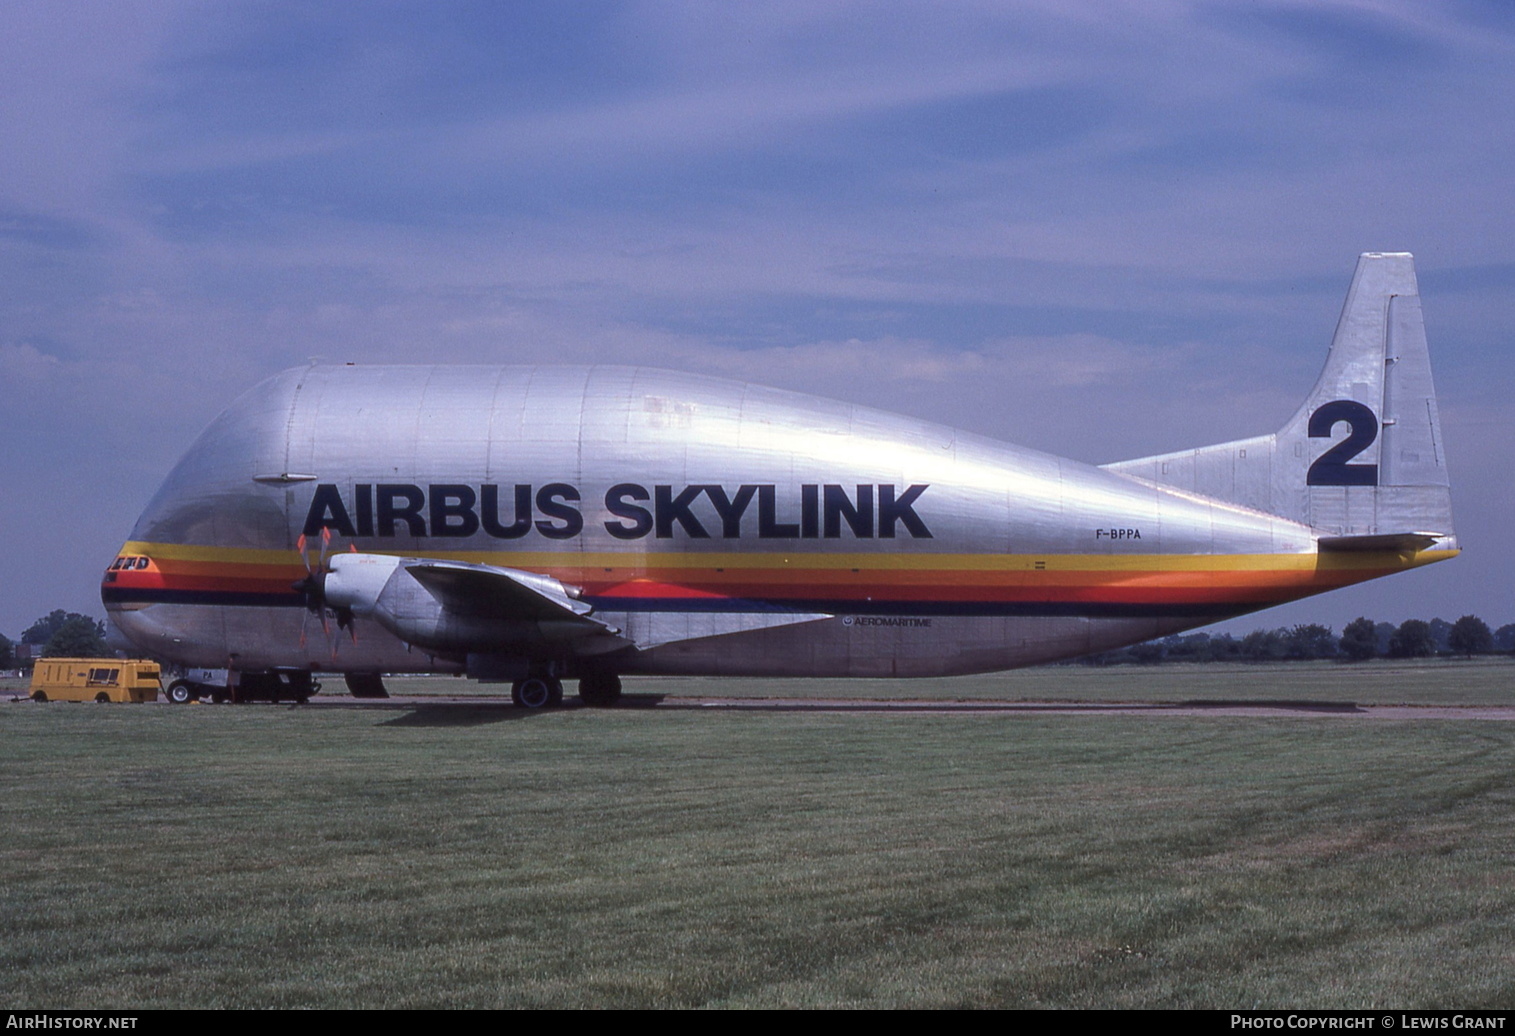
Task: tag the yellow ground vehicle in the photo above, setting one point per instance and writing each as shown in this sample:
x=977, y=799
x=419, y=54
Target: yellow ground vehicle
x=95, y=679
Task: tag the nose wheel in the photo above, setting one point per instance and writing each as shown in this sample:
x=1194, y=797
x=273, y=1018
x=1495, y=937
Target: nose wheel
x=537, y=692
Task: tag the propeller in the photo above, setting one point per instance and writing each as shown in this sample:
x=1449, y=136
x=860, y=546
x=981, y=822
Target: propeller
x=312, y=590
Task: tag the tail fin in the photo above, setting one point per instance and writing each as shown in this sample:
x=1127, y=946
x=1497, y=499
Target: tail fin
x=1363, y=456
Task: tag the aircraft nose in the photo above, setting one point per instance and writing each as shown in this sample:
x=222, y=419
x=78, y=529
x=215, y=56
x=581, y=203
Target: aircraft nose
x=115, y=640
x=135, y=628
x=143, y=630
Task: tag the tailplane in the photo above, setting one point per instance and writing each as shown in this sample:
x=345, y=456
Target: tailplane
x=1363, y=457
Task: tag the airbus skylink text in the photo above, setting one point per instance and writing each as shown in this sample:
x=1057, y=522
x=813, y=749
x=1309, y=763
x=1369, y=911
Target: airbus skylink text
x=382, y=509
x=1367, y=1021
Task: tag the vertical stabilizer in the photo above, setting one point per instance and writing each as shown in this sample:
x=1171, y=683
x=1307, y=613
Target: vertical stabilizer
x=1364, y=455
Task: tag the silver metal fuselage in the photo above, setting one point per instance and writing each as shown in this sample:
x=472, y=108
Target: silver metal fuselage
x=904, y=548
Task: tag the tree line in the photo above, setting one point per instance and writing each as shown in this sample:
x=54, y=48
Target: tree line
x=1360, y=640
x=59, y=634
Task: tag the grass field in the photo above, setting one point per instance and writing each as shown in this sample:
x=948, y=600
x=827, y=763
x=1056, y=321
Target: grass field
x=1488, y=680
x=1482, y=681
x=473, y=856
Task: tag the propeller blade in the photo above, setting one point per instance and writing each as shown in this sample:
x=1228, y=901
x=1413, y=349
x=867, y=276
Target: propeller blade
x=312, y=590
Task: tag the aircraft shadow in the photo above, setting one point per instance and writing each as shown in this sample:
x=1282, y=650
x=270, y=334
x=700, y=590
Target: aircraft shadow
x=450, y=714
x=473, y=714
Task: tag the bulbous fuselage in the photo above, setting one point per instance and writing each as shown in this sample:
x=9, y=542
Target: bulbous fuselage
x=912, y=548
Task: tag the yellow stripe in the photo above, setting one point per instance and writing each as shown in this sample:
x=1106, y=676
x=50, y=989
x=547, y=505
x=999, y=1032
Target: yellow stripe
x=536, y=560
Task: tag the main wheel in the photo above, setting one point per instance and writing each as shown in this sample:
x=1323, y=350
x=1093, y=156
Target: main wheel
x=536, y=692
x=599, y=690
x=180, y=692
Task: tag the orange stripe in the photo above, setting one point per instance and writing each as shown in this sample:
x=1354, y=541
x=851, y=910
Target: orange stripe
x=1135, y=579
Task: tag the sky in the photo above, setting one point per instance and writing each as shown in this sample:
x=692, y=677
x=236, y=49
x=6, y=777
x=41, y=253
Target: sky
x=1104, y=230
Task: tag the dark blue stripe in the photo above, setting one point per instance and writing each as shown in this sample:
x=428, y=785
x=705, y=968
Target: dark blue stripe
x=128, y=595
x=962, y=609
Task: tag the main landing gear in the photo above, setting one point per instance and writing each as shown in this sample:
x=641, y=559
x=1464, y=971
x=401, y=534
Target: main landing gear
x=537, y=692
x=597, y=690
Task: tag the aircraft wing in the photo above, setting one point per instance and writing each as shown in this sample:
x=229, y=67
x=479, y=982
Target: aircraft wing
x=484, y=591
x=652, y=613
x=652, y=629
x=472, y=607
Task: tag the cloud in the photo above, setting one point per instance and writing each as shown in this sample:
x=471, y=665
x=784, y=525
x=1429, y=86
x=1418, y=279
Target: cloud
x=25, y=363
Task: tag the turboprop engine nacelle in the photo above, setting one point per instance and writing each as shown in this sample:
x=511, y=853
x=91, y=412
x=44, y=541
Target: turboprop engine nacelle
x=456, y=607
x=356, y=582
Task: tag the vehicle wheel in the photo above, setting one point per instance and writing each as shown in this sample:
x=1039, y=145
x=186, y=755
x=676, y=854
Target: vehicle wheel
x=219, y=696
x=39, y=696
x=599, y=690
x=299, y=686
x=103, y=698
x=535, y=692
x=180, y=693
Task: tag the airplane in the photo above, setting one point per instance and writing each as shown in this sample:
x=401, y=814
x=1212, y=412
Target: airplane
x=532, y=524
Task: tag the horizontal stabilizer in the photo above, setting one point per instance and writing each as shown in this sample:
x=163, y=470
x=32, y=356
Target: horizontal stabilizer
x=1400, y=542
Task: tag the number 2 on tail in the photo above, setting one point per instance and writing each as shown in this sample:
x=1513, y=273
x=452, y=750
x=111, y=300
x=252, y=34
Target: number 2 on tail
x=1332, y=469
